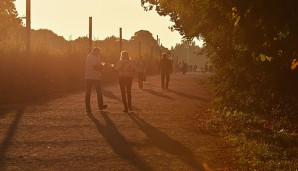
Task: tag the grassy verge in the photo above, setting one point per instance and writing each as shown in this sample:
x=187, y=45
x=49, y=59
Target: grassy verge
x=257, y=143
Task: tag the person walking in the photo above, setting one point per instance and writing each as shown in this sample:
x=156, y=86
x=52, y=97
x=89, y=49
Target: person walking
x=141, y=72
x=92, y=78
x=184, y=67
x=125, y=68
x=165, y=68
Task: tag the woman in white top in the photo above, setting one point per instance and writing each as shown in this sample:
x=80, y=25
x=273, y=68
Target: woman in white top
x=125, y=68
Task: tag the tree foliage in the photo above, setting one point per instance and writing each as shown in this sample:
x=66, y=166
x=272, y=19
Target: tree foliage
x=149, y=48
x=251, y=44
x=8, y=17
x=144, y=36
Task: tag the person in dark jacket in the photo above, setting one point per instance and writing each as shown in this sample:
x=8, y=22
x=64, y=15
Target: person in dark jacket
x=165, y=68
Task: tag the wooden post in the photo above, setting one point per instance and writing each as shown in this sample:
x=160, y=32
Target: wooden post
x=160, y=51
x=188, y=53
x=120, y=39
x=28, y=27
x=151, y=52
x=90, y=34
x=139, y=48
x=151, y=63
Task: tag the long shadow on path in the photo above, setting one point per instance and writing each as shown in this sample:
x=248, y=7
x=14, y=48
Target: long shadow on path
x=158, y=94
x=6, y=142
x=165, y=143
x=110, y=95
x=189, y=96
x=117, y=141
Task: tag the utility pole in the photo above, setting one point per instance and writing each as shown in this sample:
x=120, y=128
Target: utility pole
x=90, y=34
x=188, y=53
x=139, y=48
x=120, y=40
x=160, y=51
x=158, y=43
x=151, y=52
x=28, y=27
x=151, y=59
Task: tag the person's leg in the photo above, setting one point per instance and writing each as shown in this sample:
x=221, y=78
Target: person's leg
x=167, y=80
x=123, y=93
x=97, y=84
x=128, y=90
x=162, y=80
x=140, y=79
x=88, y=94
x=144, y=77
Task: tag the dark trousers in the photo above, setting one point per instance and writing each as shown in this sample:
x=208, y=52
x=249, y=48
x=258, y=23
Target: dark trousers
x=97, y=85
x=125, y=87
x=165, y=78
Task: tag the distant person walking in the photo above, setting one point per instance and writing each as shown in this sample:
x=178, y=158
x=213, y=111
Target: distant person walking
x=92, y=77
x=125, y=68
x=195, y=68
x=141, y=72
x=165, y=68
x=184, y=67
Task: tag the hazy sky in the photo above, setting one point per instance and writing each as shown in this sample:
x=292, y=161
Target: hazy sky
x=71, y=17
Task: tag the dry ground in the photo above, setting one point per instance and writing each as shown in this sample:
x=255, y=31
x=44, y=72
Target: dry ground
x=58, y=134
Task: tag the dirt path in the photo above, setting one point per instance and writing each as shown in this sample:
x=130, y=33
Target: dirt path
x=160, y=134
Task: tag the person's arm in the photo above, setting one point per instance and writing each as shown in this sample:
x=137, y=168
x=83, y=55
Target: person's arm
x=97, y=67
x=119, y=65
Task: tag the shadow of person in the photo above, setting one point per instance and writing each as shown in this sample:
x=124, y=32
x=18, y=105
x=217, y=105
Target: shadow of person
x=117, y=141
x=5, y=143
x=165, y=143
x=153, y=85
x=158, y=94
x=3, y=113
x=189, y=96
x=110, y=95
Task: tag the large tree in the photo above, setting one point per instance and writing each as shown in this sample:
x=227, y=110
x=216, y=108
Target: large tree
x=143, y=36
x=146, y=40
x=251, y=45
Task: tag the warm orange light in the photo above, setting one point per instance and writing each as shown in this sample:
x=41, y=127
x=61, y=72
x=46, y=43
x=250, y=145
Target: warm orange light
x=206, y=167
x=294, y=64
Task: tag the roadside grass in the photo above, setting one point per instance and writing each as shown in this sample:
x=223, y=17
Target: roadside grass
x=257, y=143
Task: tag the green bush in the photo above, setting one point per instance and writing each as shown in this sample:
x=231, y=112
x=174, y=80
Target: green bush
x=257, y=142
